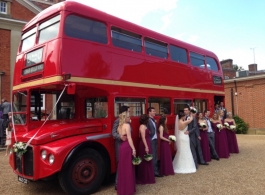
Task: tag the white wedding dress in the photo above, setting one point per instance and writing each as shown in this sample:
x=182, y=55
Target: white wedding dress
x=183, y=161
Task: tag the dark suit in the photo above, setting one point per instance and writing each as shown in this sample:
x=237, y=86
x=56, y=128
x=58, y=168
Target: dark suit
x=211, y=138
x=152, y=127
x=193, y=142
x=225, y=112
x=198, y=144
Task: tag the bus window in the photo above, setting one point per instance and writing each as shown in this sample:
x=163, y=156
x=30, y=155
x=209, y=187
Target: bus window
x=49, y=29
x=83, y=28
x=155, y=48
x=211, y=64
x=96, y=107
x=125, y=39
x=20, y=105
x=197, y=60
x=180, y=104
x=137, y=105
x=200, y=105
x=178, y=54
x=161, y=105
x=28, y=39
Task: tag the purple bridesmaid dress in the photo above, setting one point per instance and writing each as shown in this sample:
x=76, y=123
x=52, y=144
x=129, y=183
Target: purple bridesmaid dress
x=205, y=146
x=126, y=171
x=231, y=139
x=166, y=165
x=221, y=145
x=145, y=170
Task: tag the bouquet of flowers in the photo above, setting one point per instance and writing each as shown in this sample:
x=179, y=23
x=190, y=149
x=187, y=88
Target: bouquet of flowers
x=19, y=148
x=136, y=160
x=172, y=138
x=232, y=127
x=148, y=157
x=203, y=125
x=193, y=110
x=219, y=126
x=226, y=124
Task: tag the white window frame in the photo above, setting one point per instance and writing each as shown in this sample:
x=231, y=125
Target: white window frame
x=3, y=5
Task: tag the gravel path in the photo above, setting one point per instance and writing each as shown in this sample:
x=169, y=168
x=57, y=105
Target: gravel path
x=242, y=173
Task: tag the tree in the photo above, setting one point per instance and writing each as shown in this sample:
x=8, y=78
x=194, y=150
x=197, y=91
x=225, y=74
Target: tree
x=238, y=68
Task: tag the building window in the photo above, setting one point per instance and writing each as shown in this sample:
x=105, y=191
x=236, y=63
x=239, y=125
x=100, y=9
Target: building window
x=3, y=7
x=137, y=105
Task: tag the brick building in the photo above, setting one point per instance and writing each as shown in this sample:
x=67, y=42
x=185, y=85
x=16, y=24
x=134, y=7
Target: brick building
x=245, y=96
x=14, y=14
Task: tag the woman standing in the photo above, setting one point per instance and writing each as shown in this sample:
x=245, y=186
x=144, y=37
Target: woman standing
x=202, y=124
x=166, y=166
x=231, y=134
x=145, y=170
x=126, y=172
x=221, y=145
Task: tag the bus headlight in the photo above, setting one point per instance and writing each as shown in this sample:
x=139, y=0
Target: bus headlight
x=43, y=154
x=51, y=159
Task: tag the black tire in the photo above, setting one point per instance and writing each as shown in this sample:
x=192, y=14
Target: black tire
x=85, y=173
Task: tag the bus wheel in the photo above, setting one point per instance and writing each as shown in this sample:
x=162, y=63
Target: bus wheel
x=85, y=174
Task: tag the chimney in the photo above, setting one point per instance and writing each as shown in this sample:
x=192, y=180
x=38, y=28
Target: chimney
x=253, y=67
x=227, y=64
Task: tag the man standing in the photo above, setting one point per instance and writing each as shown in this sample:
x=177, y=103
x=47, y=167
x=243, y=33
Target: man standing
x=6, y=107
x=223, y=109
x=192, y=133
x=151, y=125
x=216, y=107
x=211, y=135
x=198, y=149
x=118, y=138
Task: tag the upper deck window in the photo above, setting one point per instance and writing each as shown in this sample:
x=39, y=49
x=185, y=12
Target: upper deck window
x=125, y=39
x=155, y=48
x=49, y=29
x=83, y=28
x=197, y=60
x=178, y=54
x=28, y=39
x=3, y=9
x=211, y=64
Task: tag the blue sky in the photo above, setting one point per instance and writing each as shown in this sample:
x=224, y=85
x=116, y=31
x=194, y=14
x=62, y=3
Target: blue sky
x=229, y=28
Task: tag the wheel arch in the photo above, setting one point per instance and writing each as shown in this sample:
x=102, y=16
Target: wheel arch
x=89, y=144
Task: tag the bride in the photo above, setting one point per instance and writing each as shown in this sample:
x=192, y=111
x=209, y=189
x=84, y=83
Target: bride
x=183, y=161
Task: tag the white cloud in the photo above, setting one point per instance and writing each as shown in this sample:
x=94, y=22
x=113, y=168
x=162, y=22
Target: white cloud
x=167, y=20
x=132, y=11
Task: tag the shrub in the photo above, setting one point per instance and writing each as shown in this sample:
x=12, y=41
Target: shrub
x=241, y=125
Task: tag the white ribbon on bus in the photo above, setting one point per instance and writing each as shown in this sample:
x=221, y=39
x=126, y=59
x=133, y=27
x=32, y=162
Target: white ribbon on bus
x=43, y=122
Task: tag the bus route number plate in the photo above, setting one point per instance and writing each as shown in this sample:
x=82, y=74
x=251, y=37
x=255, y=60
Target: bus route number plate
x=23, y=180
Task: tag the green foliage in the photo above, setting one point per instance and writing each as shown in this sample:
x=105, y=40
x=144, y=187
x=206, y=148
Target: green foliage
x=238, y=68
x=100, y=113
x=241, y=125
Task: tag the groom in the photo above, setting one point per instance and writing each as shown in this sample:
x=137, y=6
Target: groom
x=191, y=132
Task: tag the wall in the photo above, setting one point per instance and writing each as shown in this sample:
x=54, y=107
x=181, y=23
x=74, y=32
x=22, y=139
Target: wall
x=249, y=102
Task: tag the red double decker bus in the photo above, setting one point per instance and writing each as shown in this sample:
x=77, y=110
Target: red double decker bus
x=75, y=67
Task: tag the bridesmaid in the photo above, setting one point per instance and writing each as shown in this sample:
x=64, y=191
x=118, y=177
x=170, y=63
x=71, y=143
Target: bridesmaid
x=166, y=166
x=221, y=145
x=231, y=134
x=126, y=172
x=204, y=138
x=145, y=170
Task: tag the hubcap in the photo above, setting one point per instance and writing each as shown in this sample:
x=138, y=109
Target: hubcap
x=84, y=172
